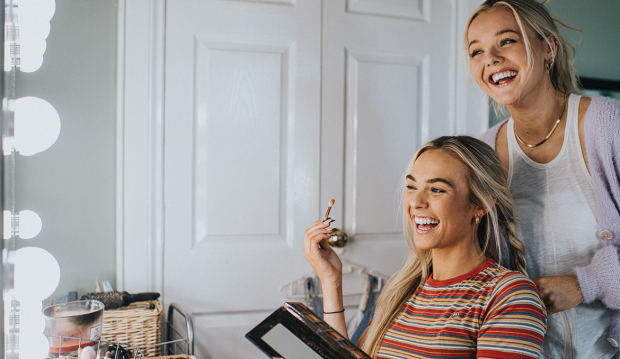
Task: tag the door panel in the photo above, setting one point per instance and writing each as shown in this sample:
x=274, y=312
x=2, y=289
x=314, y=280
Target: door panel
x=382, y=108
x=240, y=140
x=407, y=9
x=386, y=90
x=242, y=160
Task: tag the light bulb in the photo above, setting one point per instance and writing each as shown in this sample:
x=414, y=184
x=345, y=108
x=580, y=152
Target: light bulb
x=31, y=318
x=37, y=274
x=37, y=125
x=33, y=18
x=33, y=346
x=8, y=61
x=40, y=10
x=30, y=224
x=31, y=327
x=8, y=231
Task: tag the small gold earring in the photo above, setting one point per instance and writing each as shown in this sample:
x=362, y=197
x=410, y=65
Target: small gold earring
x=477, y=220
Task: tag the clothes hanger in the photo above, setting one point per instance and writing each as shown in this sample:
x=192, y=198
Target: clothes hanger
x=296, y=288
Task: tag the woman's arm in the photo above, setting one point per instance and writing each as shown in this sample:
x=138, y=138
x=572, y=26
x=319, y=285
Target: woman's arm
x=328, y=267
x=333, y=302
x=601, y=278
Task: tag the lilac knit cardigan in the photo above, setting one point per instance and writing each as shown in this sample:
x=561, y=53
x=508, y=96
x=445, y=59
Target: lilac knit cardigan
x=601, y=278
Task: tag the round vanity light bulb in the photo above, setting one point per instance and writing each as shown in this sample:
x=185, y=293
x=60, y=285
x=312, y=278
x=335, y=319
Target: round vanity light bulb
x=33, y=21
x=37, y=274
x=37, y=10
x=30, y=316
x=8, y=231
x=30, y=63
x=37, y=125
x=33, y=346
x=30, y=224
x=8, y=61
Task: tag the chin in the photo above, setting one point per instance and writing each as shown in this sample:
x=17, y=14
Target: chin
x=506, y=97
x=423, y=244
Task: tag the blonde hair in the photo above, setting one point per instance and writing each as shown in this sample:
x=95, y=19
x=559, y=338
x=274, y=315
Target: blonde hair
x=487, y=181
x=534, y=15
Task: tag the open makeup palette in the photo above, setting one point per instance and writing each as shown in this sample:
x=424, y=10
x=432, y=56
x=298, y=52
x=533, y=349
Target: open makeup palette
x=294, y=332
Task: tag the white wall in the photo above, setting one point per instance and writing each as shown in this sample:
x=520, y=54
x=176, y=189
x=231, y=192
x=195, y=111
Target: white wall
x=71, y=185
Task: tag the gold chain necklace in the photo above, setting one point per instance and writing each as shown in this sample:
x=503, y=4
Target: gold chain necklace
x=550, y=133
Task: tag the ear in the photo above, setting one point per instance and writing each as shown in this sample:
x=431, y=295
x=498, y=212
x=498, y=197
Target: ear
x=480, y=209
x=551, y=47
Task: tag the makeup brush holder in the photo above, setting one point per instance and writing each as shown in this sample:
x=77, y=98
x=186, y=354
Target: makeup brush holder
x=138, y=324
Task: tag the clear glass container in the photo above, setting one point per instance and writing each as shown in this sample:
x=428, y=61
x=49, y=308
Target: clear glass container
x=72, y=326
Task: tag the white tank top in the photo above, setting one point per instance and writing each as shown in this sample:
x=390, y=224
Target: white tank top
x=554, y=205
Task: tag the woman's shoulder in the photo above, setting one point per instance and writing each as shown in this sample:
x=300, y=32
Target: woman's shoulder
x=602, y=113
x=489, y=136
x=505, y=279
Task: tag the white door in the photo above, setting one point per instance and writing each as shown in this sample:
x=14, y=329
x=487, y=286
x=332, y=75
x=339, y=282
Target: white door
x=241, y=159
x=386, y=89
x=272, y=108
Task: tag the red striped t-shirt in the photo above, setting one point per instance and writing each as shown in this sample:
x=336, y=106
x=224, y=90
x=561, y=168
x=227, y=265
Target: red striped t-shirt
x=488, y=312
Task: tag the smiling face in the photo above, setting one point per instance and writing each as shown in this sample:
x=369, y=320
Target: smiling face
x=498, y=57
x=437, y=201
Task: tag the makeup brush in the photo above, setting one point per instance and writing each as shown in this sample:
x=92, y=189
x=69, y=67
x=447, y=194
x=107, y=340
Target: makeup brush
x=113, y=300
x=331, y=203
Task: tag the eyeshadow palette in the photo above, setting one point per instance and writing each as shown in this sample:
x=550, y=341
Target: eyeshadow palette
x=294, y=332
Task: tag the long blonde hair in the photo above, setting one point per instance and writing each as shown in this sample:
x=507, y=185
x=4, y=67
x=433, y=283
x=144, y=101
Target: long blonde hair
x=487, y=180
x=534, y=15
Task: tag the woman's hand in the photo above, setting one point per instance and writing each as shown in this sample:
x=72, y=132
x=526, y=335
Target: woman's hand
x=328, y=267
x=559, y=292
x=320, y=254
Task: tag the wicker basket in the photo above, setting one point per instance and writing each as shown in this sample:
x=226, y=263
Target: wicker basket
x=135, y=326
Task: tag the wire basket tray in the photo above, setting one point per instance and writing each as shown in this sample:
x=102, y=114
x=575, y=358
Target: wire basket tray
x=137, y=352
x=174, y=340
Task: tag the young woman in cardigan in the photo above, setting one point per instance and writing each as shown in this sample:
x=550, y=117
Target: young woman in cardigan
x=562, y=153
x=451, y=298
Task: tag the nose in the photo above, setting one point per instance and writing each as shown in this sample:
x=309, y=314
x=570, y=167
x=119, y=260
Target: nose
x=418, y=200
x=493, y=57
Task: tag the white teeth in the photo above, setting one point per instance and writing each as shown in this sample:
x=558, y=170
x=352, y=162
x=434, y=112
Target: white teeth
x=419, y=220
x=498, y=76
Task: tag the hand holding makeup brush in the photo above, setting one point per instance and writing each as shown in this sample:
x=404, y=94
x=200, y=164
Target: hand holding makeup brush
x=328, y=267
x=319, y=253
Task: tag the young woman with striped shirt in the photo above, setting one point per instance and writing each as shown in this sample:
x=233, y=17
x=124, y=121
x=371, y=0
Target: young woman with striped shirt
x=451, y=299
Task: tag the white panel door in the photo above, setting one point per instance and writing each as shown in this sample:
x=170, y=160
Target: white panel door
x=387, y=88
x=272, y=108
x=241, y=160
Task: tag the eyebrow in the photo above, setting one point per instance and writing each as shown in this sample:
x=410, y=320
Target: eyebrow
x=500, y=32
x=432, y=180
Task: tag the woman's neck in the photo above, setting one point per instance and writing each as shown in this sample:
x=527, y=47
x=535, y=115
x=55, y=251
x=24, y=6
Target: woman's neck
x=452, y=262
x=535, y=113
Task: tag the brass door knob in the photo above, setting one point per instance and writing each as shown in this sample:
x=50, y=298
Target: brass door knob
x=338, y=239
